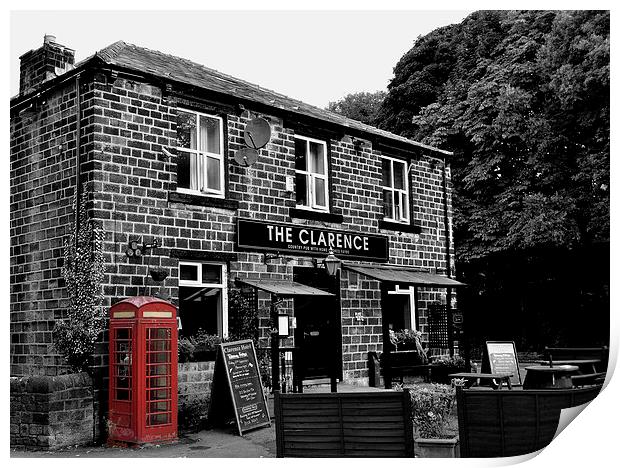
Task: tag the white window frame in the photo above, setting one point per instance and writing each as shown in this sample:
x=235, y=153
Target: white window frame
x=222, y=321
x=312, y=176
x=202, y=156
x=411, y=292
x=402, y=218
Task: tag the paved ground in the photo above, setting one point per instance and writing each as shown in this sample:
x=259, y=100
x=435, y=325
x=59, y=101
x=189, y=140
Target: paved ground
x=215, y=443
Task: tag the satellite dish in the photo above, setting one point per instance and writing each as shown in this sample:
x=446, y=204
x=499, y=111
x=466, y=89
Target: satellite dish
x=257, y=133
x=246, y=156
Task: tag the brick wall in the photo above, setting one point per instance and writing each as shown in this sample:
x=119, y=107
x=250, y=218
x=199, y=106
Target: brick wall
x=51, y=412
x=42, y=174
x=127, y=124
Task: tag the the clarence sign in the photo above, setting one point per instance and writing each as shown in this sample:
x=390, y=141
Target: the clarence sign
x=310, y=240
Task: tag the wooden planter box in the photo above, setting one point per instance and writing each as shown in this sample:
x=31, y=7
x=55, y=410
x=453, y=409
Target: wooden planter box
x=437, y=448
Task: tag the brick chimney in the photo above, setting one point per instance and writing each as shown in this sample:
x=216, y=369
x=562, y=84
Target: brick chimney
x=44, y=63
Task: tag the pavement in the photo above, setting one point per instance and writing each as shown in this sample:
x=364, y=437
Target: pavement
x=213, y=443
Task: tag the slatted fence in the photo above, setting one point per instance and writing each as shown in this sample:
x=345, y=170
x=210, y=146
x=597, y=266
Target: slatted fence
x=512, y=422
x=369, y=424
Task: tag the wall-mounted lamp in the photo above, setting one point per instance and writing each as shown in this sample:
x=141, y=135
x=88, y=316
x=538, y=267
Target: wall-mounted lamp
x=268, y=257
x=331, y=262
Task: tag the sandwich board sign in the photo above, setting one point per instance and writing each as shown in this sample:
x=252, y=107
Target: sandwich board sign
x=501, y=358
x=237, y=387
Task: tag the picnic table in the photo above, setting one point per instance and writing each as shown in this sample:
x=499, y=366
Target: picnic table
x=474, y=377
x=547, y=377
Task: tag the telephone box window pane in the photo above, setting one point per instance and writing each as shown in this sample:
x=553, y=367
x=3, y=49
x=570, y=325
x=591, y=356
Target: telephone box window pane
x=186, y=130
x=300, y=155
x=211, y=274
x=163, y=394
x=213, y=174
x=123, y=333
x=158, y=419
x=188, y=272
x=122, y=394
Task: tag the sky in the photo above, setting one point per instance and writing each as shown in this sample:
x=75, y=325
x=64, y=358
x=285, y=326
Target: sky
x=314, y=56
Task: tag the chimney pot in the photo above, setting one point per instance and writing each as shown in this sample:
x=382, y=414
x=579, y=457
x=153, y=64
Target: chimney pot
x=43, y=64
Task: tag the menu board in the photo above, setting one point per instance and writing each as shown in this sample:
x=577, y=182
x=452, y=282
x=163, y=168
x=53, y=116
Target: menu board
x=239, y=362
x=502, y=359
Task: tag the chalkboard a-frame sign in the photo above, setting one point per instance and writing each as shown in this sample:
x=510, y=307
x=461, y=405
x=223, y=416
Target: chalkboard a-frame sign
x=236, y=368
x=501, y=358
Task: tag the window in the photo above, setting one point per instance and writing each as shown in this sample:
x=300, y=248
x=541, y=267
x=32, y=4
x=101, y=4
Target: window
x=203, y=298
x=395, y=190
x=400, y=308
x=200, y=162
x=311, y=174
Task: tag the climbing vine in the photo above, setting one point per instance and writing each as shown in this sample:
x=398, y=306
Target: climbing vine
x=83, y=271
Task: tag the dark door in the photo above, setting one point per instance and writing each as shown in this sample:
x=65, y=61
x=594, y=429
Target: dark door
x=317, y=335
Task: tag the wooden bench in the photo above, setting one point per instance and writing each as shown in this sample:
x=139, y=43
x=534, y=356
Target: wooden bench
x=507, y=423
x=472, y=378
x=400, y=364
x=360, y=424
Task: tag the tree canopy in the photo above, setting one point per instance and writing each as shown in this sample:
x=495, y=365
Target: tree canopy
x=522, y=98
x=361, y=106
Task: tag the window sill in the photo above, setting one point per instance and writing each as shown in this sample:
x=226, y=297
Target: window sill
x=202, y=200
x=315, y=215
x=392, y=226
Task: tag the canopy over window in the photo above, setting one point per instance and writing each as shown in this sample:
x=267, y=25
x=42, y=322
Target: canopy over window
x=283, y=287
x=404, y=275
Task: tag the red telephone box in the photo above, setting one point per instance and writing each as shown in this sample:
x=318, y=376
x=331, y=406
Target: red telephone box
x=143, y=371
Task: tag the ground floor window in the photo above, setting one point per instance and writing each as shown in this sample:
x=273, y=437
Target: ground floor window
x=400, y=311
x=203, y=299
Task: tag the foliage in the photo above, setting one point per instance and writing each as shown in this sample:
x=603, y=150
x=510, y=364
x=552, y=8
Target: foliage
x=452, y=361
x=361, y=106
x=199, y=347
x=242, y=317
x=408, y=339
x=432, y=406
x=522, y=98
x=83, y=271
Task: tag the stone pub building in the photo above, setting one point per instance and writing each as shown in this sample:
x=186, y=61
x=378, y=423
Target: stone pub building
x=156, y=142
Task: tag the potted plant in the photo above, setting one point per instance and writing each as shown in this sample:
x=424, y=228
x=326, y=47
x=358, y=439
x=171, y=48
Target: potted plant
x=441, y=368
x=408, y=340
x=432, y=409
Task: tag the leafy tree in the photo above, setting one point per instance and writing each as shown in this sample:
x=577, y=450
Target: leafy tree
x=83, y=271
x=522, y=98
x=359, y=106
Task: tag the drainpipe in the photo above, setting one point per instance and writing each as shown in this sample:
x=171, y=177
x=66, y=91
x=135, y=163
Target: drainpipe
x=446, y=225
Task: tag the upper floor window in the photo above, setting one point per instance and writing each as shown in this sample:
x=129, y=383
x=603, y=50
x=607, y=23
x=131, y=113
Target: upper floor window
x=395, y=190
x=200, y=148
x=311, y=174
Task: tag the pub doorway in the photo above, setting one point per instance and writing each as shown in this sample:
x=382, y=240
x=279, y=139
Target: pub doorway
x=318, y=332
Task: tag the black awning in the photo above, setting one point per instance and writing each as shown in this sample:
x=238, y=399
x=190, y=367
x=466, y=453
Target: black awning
x=404, y=275
x=283, y=288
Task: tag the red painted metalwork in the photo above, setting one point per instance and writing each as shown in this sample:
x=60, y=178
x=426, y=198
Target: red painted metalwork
x=143, y=371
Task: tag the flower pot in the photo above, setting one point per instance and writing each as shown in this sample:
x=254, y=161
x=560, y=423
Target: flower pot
x=436, y=448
